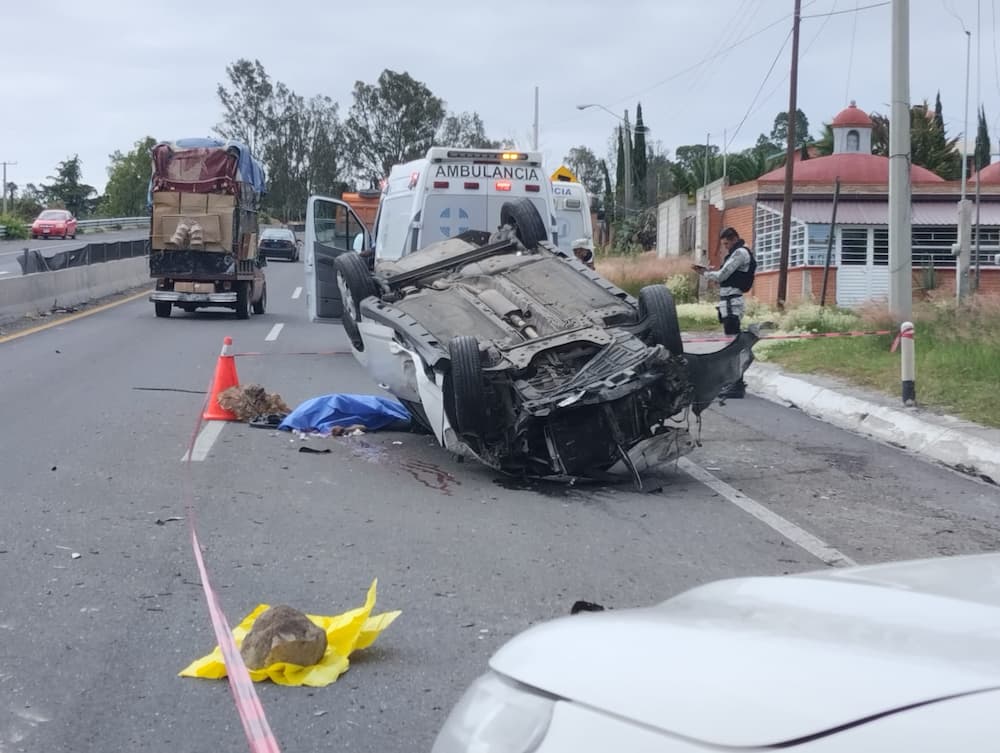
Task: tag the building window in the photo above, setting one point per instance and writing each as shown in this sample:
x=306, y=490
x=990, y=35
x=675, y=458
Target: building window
x=932, y=246
x=853, y=246
x=853, y=141
x=767, y=240
x=819, y=237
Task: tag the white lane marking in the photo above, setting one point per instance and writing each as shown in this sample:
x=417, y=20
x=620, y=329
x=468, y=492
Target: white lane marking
x=275, y=331
x=4, y=272
x=799, y=536
x=297, y=292
x=206, y=438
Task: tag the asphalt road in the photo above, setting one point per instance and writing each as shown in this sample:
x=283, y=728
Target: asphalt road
x=9, y=249
x=98, y=412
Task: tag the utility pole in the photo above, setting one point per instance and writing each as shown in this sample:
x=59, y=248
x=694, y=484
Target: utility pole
x=982, y=113
x=962, y=264
x=535, y=140
x=900, y=208
x=786, y=213
x=628, y=164
x=4, y=186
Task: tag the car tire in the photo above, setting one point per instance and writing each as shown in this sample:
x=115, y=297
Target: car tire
x=243, y=300
x=657, y=307
x=73, y=237
x=468, y=395
x=162, y=308
x=356, y=284
x=527, y=223
x=261, y=306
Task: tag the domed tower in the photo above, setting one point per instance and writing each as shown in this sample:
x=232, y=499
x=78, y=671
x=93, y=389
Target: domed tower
x=852, y=131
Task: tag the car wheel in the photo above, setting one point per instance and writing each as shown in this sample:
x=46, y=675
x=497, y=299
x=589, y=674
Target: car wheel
x=355, y=283
x=468, y=394
x=243, y=300
x=527, y=223
x=656, y=306
x=162, y=308
x=73, y=236
x=261, y=306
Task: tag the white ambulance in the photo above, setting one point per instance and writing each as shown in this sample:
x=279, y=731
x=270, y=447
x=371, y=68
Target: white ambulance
x=573, y=220
x=453, y=190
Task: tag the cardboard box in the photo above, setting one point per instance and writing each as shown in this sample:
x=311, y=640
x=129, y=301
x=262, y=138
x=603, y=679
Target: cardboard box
x=214, y=212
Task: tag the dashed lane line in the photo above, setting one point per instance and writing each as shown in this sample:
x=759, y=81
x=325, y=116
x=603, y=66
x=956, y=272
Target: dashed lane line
x=275, y=331
x=297, y=292
x=206, y=438
x=799, y=536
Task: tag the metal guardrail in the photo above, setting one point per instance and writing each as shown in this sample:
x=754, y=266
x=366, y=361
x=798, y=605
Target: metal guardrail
x=111, y=222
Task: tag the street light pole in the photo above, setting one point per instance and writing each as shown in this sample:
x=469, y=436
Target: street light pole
x=627, y=146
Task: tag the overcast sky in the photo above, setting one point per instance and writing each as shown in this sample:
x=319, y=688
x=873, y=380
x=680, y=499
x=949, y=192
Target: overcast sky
x=90, y=77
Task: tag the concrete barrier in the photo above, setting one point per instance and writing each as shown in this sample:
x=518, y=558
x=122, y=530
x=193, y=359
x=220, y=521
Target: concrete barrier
x=35, y=293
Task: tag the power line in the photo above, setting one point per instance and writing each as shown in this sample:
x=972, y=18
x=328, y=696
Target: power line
x=704, y=60
x=805, y=52
x=761, y=87
x=854, y=10
x=850, y=59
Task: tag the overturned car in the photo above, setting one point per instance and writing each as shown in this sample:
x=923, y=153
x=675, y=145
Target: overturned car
x=509, y=349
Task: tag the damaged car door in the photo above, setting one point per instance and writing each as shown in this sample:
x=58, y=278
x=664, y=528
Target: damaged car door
x=332, y=229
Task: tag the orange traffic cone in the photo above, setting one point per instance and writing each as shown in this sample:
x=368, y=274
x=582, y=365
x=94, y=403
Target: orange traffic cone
x=225, y=377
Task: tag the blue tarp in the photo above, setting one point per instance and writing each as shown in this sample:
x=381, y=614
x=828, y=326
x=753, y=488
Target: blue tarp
x=321, y=414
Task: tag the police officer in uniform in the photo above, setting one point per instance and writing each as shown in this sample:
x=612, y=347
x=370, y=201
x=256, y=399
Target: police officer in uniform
x=734, y=277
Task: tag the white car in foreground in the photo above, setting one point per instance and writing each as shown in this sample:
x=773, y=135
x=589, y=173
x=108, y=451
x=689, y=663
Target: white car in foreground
x=897, y=657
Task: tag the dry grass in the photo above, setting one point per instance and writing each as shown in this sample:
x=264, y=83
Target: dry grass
x=631, y=273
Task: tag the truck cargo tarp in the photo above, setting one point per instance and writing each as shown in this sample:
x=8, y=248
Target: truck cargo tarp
x=322, y=414
x=248, y=170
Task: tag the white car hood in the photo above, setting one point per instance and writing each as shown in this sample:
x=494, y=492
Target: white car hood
x=758, y=661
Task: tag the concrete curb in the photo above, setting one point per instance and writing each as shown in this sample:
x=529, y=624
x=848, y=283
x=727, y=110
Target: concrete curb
x=35, y=293
x=962, y=445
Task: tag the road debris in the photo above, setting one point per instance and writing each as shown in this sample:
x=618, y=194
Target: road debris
x=351, y=631
x=250, y=402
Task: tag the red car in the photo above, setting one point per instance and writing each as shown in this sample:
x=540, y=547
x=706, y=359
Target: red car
x=54, y=222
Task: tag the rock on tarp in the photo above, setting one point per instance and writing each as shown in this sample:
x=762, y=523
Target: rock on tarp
x=322, y=414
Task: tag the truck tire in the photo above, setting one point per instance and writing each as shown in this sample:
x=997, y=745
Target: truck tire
x=468, y=394
x=162, y=308
x=261, y=306
x=355, y=283
x=522, y=215
x=656, y=305
x=242, y=300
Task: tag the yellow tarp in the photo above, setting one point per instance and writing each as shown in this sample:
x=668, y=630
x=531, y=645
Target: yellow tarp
x=347, y=632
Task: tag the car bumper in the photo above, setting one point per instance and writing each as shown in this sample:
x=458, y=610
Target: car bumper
x=276, y=253
x=175, y=297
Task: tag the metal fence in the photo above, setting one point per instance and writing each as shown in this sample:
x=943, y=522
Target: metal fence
x=32, y=260
x=110, y=223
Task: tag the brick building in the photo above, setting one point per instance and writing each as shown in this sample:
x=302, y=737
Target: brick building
x=859, y=254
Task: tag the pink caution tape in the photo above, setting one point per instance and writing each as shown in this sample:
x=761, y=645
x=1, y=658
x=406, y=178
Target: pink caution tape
x=807, y=336
x=258, y=731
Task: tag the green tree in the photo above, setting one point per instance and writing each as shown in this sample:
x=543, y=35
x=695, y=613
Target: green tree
x=930, y=146
x=779, y=133
x=620, y=170
x=67, y=189
x=609, y=197
x=128, y=181
x=587, y=168
x=640, y=163
x=983, y=156
x=392, y=121
x=465, y=130
x=28, y=202
x=938, y=112
x=246, y=104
